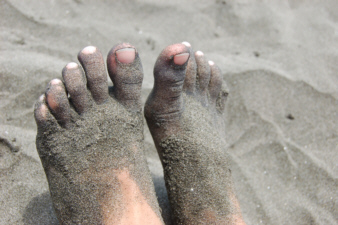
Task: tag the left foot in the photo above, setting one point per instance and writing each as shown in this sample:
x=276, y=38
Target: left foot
x=91, y=144
x=184, y=115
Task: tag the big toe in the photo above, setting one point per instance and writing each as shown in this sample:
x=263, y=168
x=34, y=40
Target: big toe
x=169, y=75
x=126, y=72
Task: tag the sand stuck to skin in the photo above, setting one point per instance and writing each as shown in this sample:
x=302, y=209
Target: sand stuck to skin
x=279, y=60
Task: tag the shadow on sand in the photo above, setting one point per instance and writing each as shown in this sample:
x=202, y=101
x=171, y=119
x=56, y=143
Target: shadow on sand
x=40, y=211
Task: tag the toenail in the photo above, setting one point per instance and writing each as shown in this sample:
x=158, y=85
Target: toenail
x=89, y=50
x=55, y=82
x=125, y=55
x=186, y=43
x=199, y=53
x=211, y=63
x=72, y=65
x=42, y=98
x=180, y=59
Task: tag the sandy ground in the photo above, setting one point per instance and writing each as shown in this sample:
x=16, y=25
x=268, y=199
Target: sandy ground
x=279, y=59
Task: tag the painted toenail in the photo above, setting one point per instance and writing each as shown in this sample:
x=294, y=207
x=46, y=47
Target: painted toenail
x=72, y=65
x=125, y=55
x=180, y=59
x=186, y=43
x=211, y=63
x=89, y=50
x=199, y=53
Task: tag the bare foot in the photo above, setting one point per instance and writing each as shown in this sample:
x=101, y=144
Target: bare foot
x=183, y=113
x=91, y=143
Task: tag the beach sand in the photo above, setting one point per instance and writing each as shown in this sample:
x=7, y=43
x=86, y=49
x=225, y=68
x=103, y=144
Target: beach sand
x=279, y=60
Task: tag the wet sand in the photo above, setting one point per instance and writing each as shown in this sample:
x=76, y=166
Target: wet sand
x=278, y=59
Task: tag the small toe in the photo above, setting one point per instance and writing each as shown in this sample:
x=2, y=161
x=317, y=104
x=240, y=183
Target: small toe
x=190, y=75
x=41, y=113
x=92, y=62
x=75, y=83
x=57, y=102
x=203, y=75
x=215, y=84
x=221, y=99
x=126, y=72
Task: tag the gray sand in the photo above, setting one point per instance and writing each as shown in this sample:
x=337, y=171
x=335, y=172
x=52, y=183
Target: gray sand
x=278, y=58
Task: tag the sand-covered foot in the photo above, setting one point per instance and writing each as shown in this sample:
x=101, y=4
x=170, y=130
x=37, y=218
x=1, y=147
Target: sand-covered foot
x=90, y=141
x=184, y=114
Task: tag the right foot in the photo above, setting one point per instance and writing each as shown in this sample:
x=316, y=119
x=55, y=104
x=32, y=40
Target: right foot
x=183, y=113
x=91, y=144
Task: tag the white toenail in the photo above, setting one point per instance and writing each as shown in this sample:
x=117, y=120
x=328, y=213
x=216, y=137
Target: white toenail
x=126, y=49
x=42, y=98
x=186, y=43
x=199, y=53
x=55, y=81
x=211, y=63
x=89, y=50
x=72, y=65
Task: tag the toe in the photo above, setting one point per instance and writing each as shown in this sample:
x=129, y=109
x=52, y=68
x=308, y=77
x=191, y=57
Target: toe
x=57, y=102
x=203, y=75
x=75, y=82
x=126, y=72
x=169, y=75
x=190, y=75
x=93, y=64
x=41, y=113
x=215, y=84
x=221, y=99
x=164, y=105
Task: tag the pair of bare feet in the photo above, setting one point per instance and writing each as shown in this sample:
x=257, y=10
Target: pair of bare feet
x=90, y=140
